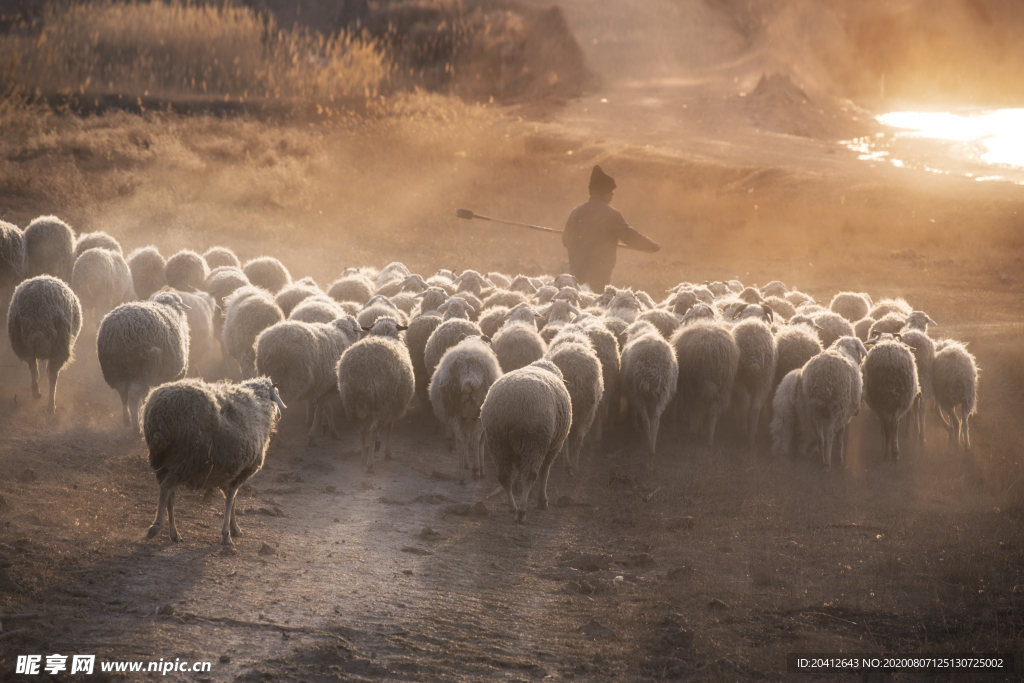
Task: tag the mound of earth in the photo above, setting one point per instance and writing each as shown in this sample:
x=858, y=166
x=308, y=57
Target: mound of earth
x=778, y=105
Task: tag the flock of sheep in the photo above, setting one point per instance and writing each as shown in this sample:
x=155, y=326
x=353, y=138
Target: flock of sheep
x=519, y=368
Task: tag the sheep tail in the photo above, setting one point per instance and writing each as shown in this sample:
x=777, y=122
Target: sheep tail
x=39, y=342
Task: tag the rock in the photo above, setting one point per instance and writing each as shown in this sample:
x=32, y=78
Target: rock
x=167, y=610
x=429, y=534
x=565, y=502
x=478, y=509
x=224, y=659
x=407, y=572
x=28, y=476
x=4, y=561
x=586, y=561
x=271, y=512
x=330, y=489
x=416, y=551
x=597, y=630
x=715, y=603
x=678, y=523
x=443, y=476
x=3, y=504
x=266, y=549
x=7, y=584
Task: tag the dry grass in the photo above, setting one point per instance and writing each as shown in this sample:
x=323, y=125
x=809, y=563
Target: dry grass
x=173, y=50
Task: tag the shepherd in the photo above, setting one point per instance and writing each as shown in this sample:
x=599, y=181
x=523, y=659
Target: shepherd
x=593, y=232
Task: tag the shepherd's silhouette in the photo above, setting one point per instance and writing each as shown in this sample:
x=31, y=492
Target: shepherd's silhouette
x=593, y=231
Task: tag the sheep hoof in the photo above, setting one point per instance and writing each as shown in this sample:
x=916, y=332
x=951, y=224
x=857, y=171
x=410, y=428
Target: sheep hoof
x=36, y=395
x=376, y=446
x=311, y=442
x=520, y=516
x=176, y=537
x=226, y=540
x=153, y=531
x=235, y=531
x=336, y=436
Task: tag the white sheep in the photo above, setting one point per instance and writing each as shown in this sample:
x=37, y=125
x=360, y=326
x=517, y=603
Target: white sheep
x=355, y=288
x=248, y=311
x=96, y=240
x=217, y=257
x=267, y=272
x=102, y=281
x=787, y=430
x=49, y=248
x=831, y=385
x=572, y=351
x=317, y=309
x=956, y=387
x=708, y=360
x=43, y=322
x=526, y=419
x=205, y=436
x=187, y=271
x=457, y=391
x=12, y=258
x=148, y=271
x=649, y=378
x=376, y=382
x=890, y=387
x=141, y=345
x=755, y=372
x=851, y=305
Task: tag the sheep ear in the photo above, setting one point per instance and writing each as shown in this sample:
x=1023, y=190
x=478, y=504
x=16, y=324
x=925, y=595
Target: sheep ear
x=932, y=322
x=871, y=342
x=366, y=329
x=485, y=339
x=402, y=327
x=739, y=311
x=899, y=337
x=419, y=296
x=575, y=311
x=771, y=313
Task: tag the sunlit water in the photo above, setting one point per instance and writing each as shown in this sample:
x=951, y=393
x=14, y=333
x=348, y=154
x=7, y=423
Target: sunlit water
x=984, y=145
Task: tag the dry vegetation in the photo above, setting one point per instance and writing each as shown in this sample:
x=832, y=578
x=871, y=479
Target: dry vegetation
x=922, y=557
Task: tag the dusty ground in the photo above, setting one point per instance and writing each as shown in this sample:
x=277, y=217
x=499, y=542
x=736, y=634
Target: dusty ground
x=727, y=560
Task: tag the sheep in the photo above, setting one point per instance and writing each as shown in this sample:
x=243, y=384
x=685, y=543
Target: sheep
x=718, y=289
x=774, y=289
x=923, y=349
x=701, y=311
x=203, y=436
x=392, y=271
x=449, y=333
x=890, y=387
x=573, y=353
x=649, y=378
x=492, y=320
x=49, y=248
x=431, y=299
x=301, y=358
x=317, y=309
x=517, y=344
x=755, y=372
x=376, y=382
x=781, y=308
x=96, y=240
x=500, y=280
x=683, y=301
x=457, y=390
x=526, y=419
x=831, y=385
x=558, y=314
x=355, y=288
x=141, y=345
x=405, y=302
x=795, y=344
x=223, y=281
x=851, y=305
x=267, y=272
x=187, y=271
x=664, y=321
x=416, y=337
x=625, y=306
x=102, y=281
x=708, y=360
x=617, y=327
x=887, y=306
x=606, y=346
x=472, y=282
x=217, y=257
x=761, y=312
x=750, y=295
x=522, y=284
x=918, y=320
x=565, y=280
x=831, y=326
x=567, y=294
x=148, y=271
x=200, y=314
x=291, y=295
x=787, y=430
x=379, y=307
x=735, y=286
x=504, y=298
x=248, y=311
x=796, y=297
x=545, y=294
x=12, y=258
x=43, y=322
x=955, y=381
x=891, y=323
x=474, y=303
x=862, y=328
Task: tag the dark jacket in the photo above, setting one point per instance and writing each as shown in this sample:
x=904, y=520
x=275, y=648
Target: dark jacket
x=591, y=235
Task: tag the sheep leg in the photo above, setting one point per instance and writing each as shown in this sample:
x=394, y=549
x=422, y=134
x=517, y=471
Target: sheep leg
x=894, y=436
x=462, y=445
x=653, y=436
x=234, y=528
x=229, y=507
x=954, y=427
x=161, y=511
x=315, y=421
x=171, y=528
x=825, y=444
x=311, y=413
x=478, y=443
x=53, y=370
x=387, y=440
x=967, y=429
x=328, y=410
x=754, y=419
x=124, y=407
x=527, y=481
x=135, y=394
x=542, y=494
x=839, y=444
x=33, y=368
x=712, y=421
x=576, y=448
x=365, y=442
